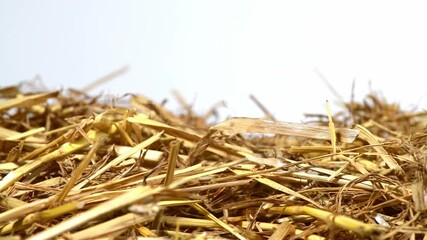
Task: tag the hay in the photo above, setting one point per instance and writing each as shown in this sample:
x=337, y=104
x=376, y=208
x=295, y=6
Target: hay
x=75, y=167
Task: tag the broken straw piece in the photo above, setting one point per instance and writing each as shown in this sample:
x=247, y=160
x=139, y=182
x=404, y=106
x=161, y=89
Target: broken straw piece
x=256, y=125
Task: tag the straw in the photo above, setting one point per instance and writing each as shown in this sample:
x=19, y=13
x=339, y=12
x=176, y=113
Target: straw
x=74, y=166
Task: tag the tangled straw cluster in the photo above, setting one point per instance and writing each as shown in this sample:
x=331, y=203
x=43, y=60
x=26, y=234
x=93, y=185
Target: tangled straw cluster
x=73, y=167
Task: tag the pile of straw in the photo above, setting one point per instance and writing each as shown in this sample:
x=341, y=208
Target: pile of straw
x=74, y=167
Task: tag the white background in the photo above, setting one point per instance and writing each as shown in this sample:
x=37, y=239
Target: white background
x=222, y=50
